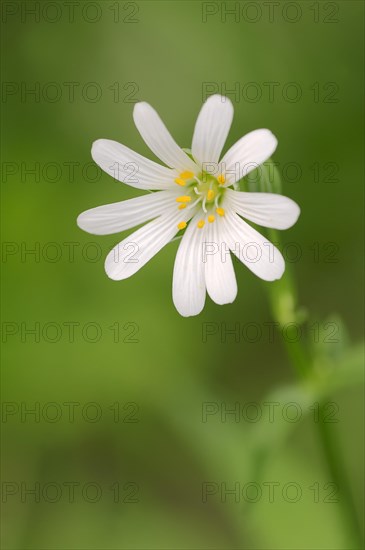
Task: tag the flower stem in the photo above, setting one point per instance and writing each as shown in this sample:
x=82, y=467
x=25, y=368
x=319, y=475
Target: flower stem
x=336, y=469
x=283, y=296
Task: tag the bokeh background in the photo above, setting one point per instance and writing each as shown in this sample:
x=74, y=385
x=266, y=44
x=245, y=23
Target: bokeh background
x=138, y=450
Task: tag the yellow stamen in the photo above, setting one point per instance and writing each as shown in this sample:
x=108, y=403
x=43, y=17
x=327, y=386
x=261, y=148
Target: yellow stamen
x=180, y=181
x=221, y=179
x=186, y=175
x=210, y=195
x=183, y=198
x=211, y=219
x=220, y=211
x=200, y=223
x=181, y=225
x=182, y=206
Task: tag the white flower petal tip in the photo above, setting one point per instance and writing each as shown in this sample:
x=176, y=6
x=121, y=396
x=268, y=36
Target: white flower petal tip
x=219, y=102
x=218, y=97
x=265, y=209
x=291, y=215
x=158, y=138
x=82, y=221
x=186, y=311
x=248, y=153
x=131, y=254
x=131, y=168
x=119, y=216
x=252, y=249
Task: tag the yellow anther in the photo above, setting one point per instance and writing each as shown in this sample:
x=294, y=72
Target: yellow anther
x=221, y=179
x=180, y=181
x=210, y=195
x=186, y=175
x=183, y=198
x=181, y=225
x=182, y=206
x=200, y=223
x=211, y=219
x=220, y=211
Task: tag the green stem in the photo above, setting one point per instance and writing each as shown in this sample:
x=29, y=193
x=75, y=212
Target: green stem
x=336, y=469
x=282, y=295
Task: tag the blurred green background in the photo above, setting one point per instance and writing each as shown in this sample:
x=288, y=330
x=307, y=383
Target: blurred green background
x=137, y=451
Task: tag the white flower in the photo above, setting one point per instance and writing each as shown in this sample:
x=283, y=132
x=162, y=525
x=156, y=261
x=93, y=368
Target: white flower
x=193, y=195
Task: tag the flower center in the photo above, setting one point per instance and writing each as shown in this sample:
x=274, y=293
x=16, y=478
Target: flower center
x=201, y=188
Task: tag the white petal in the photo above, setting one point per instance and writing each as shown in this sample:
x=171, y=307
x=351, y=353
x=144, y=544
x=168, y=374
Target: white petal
x=220, y=278
x=266, y=209
x=126, y=165
x=256, y=252
x=211, y=129
x=135, y=251
x=247, y=154
x=116, y=217
x=188, y=288
x=159, y=140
